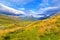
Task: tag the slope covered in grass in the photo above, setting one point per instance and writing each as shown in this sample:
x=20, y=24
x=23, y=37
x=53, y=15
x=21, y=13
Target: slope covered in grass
x=48, y=29
x=11, y=22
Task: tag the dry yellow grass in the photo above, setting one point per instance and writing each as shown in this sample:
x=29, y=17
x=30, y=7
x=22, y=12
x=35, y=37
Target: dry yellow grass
x=49, y=24
x=36, y=28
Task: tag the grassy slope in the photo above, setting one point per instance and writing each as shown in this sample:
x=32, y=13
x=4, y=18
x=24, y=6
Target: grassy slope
x=11, y=22
x=48, y=29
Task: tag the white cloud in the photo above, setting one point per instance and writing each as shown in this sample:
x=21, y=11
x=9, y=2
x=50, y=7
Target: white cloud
x=49, y=10
x=42, y=10
x=11, y=10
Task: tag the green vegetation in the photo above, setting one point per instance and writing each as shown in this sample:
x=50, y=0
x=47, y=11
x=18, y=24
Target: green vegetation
x=48, y=29
x=11, y=22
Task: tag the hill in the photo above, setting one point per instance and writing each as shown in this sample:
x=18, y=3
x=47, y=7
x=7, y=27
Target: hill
x=48, y=29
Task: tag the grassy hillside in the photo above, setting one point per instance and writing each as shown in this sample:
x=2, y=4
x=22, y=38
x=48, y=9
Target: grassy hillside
x=48, y=29
x=11, y=22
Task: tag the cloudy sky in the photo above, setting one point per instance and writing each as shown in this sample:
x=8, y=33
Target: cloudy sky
x=32, y=6
x=27, y=4
x=23, y=4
